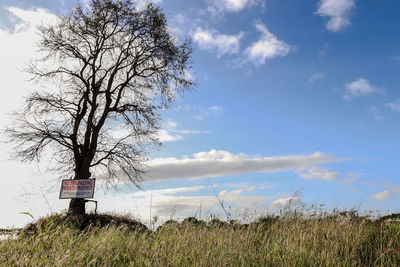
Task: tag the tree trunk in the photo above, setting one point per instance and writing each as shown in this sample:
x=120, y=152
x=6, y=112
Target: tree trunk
x=77, y=205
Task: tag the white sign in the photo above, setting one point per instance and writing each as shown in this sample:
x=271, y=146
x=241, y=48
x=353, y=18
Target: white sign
x=83, y=188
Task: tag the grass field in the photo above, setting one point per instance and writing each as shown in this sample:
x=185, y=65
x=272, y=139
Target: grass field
x=290, y=240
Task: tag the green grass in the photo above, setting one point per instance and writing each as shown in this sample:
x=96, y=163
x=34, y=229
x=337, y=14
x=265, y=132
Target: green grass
x=291, y=240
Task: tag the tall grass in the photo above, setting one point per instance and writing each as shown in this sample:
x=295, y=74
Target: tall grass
x=286, y=241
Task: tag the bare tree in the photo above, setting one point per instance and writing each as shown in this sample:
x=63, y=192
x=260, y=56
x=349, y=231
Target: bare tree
x=108, y=70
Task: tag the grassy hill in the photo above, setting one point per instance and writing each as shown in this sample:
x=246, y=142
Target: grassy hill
x=291, y=240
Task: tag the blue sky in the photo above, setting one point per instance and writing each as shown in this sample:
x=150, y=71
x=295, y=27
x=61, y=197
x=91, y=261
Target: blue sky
x=296, y=100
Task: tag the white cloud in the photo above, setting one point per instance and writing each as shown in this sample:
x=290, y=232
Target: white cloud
x=221, y=163
x=267, y=47
x=393, y=188
x=180, y=18
x=249, y=187
x=284, y=203
x=169, y=132
x=218, y=6
x=181, y=202
x=319, y=173
x=16, y=49
x=212, y=40
x=215, y=109
x=351, y=178
x=338, y=11
x=22, y=192
x=390, y=190
x=170, y=124
x=375, y=113
x=206, y=112
x=32, y=18
x=316, y=77
x=167, y=191
x=233, y=199
x=361, y=87
x=382, y=195
x=202, y=113
x=394, y=106
x=166, y=136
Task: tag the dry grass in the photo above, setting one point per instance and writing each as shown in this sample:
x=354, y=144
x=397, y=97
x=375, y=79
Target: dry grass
x=288, y=241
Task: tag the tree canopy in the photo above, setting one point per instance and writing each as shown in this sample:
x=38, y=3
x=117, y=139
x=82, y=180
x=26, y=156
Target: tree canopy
x=106, y=71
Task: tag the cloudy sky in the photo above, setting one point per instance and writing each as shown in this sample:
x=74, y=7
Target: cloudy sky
x=298, y=102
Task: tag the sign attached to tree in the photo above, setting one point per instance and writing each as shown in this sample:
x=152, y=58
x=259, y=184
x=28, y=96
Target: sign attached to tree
x=83, y=188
